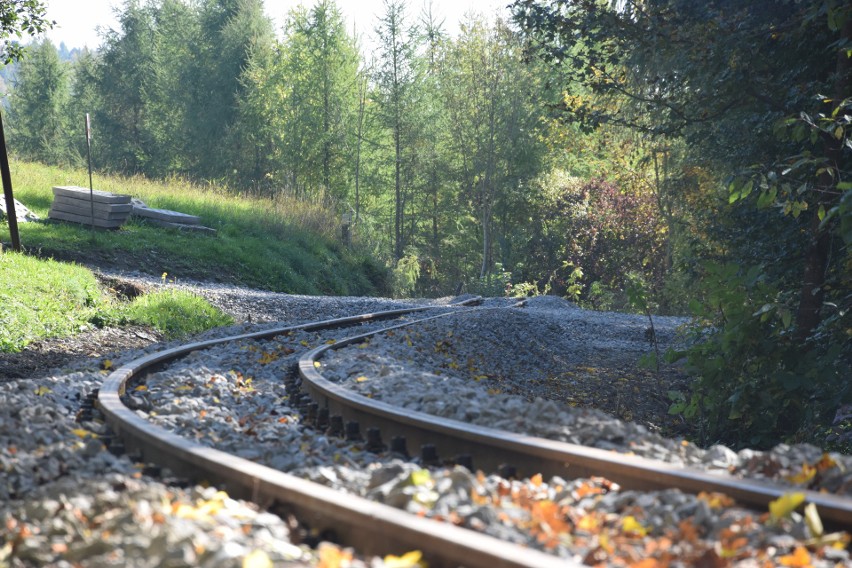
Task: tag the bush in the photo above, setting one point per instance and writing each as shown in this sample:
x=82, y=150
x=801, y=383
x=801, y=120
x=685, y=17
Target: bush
x=754, y=384
x=405, y=274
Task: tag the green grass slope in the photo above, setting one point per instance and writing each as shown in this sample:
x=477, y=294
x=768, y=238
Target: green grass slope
x=280, y=244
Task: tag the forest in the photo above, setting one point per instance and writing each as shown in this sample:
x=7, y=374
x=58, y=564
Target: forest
x=656, y=156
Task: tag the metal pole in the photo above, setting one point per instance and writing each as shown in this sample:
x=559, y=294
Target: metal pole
x=89, y=155
x=7, y=191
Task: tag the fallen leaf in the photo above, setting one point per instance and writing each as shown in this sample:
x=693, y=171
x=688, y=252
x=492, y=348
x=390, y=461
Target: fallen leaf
x=716, y=500
x=630, y=526
x=411, y=559
x=800, y=558
x=332, y=556
x=825, y=462
x=807, y=473
x=83, y=433
x=813, y=521
x=785, y=505
x=646, y=563
x=257, y=559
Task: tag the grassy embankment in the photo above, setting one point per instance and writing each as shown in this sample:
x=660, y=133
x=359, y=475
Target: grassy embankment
x=284, y=245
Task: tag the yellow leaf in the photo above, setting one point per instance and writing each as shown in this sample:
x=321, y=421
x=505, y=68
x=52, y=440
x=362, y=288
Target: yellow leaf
x=106, y=365
x=588, y=523
x=361, y=379
x=331, y=342
x=141, y=388
x=331, y=556
x=317, y=364
x=629, y=525
x=420, y=477
x=41, y=391
x=413, y=559
x=716, y=500
x=183, y=388
x=785, y=505
x=83, y=433
x=799, y=559
x=813, y=521
x=808, y=472
x=304, y=343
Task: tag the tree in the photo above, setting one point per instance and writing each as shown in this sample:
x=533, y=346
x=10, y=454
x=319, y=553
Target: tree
x=125, y=77
x=495, y=129
x=397, y=79
x=16, y=18
x=83, y=99
x=37, y=125
x=176, y=27
x=228, y=32
x=767, y=83
x=321, y=72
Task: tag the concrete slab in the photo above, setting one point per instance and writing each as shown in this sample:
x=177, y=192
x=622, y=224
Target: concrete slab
x=166, y=215
x=181, y=226
x=77, y=207
x=84, y=193
x=85, y=220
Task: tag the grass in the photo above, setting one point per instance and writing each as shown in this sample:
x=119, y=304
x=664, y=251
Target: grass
x=46, y=298
x=282, y=244
x=176, y=313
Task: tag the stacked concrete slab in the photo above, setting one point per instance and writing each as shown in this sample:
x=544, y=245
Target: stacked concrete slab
x=170, y=219
x=77, y=204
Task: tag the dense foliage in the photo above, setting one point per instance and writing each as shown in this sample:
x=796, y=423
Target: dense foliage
x=756, y=95
x=644, y=154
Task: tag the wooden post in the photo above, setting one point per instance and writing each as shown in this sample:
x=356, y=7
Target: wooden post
x=89, y=154
x=7, y=191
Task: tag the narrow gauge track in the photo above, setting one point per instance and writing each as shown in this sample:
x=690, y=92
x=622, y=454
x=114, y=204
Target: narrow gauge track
x=372, y=528
x=491, y=450
x=378, y=529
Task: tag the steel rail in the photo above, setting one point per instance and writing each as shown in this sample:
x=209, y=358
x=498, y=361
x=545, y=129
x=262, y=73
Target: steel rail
x=491, y=448
x=370, y=527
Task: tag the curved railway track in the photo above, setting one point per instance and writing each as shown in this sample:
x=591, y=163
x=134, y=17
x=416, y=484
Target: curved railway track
x=379, y=529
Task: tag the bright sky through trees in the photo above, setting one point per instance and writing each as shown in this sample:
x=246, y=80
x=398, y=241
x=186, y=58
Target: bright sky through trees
x=77, y=22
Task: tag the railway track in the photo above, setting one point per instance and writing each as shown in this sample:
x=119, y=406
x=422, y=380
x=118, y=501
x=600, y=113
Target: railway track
x=378, y=529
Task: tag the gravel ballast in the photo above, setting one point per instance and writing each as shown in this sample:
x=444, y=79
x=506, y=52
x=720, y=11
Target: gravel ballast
x=66, y=499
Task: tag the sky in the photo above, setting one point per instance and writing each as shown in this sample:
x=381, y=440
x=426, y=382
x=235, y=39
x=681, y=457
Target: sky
x=78, y=21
